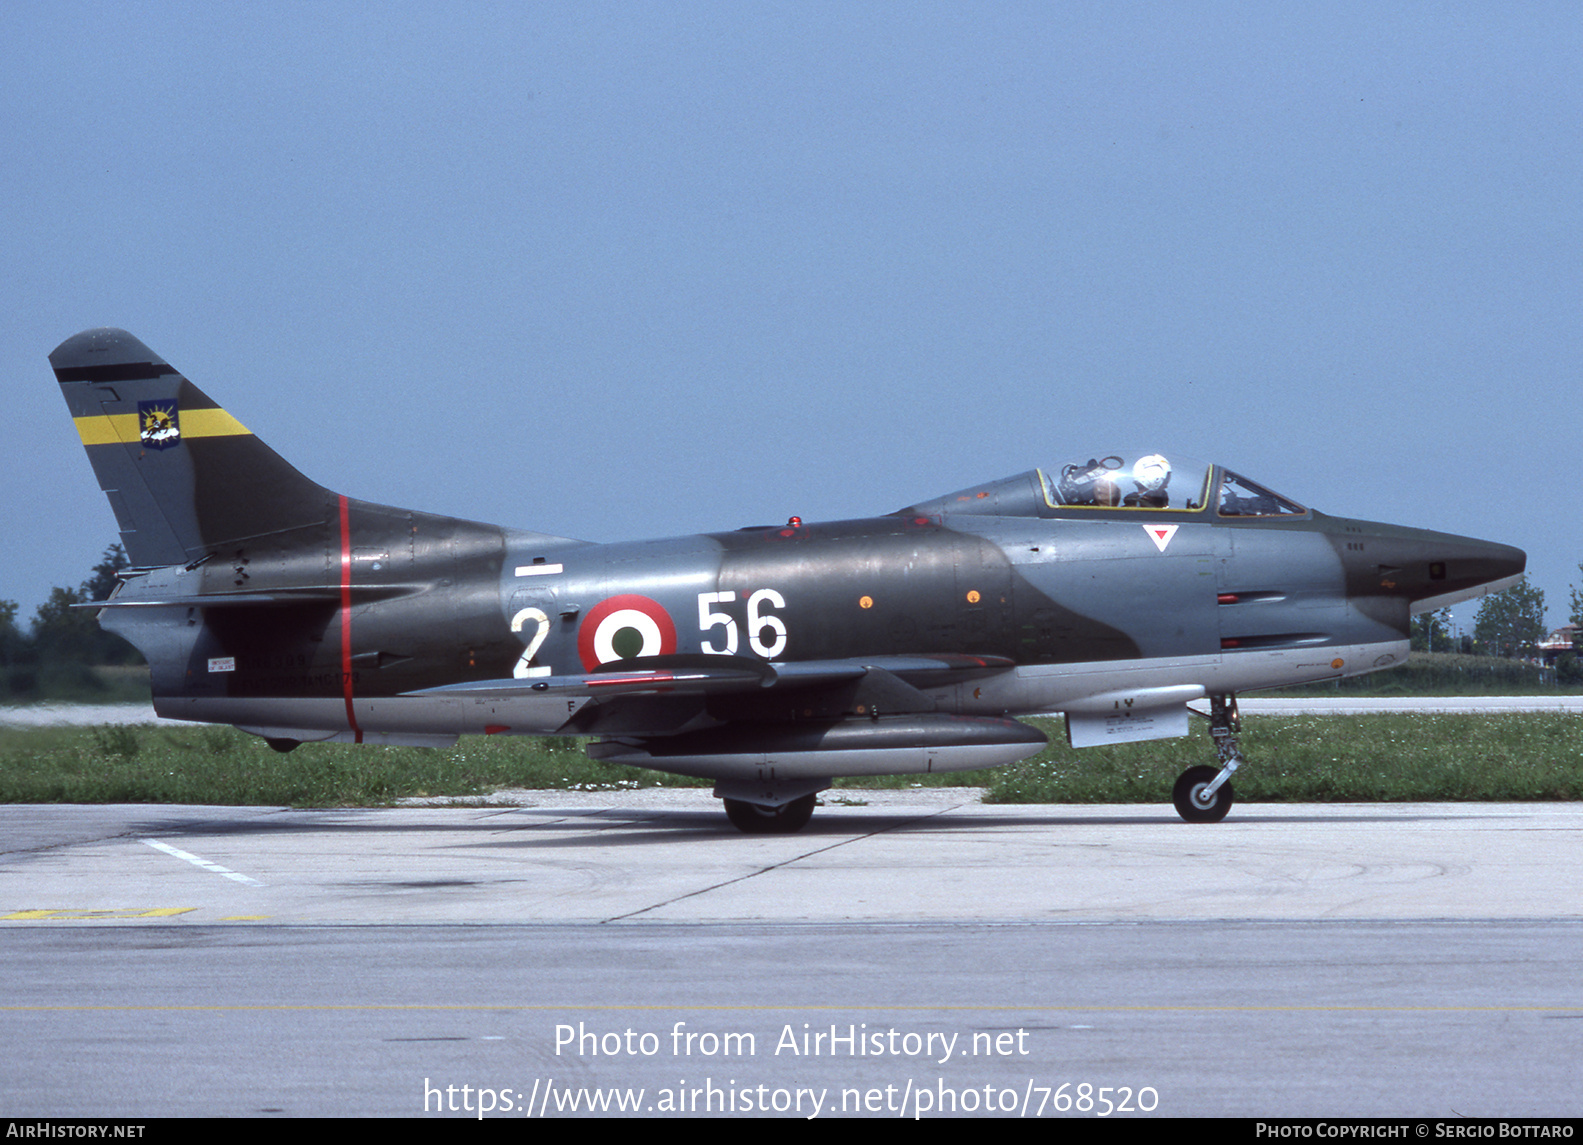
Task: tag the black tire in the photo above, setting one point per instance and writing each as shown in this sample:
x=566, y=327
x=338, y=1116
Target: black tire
x=281, y=744
x=757, y=819
x=1190, y=804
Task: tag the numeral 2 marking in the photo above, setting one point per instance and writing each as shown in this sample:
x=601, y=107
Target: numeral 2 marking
x=523, y=670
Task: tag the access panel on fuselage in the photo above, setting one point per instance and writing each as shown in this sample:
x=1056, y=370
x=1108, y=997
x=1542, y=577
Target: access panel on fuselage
x=1110, y=589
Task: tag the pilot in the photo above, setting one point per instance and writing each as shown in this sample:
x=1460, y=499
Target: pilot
x=1151, y=474
x=1090, y=484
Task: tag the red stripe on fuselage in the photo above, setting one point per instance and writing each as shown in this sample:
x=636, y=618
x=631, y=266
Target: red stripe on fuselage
x=346, y=620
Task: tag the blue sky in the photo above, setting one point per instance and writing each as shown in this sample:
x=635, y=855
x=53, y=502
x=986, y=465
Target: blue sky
x=627, y=270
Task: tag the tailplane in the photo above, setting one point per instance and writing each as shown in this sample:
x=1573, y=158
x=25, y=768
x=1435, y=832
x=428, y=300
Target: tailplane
x=183, y=476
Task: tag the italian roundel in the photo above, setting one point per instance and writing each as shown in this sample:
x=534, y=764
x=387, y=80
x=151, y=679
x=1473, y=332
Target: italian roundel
x=623, y=627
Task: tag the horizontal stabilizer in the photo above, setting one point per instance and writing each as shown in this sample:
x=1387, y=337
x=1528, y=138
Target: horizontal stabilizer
x=275, y=598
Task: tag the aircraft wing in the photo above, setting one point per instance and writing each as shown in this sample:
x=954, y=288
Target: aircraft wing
x=673, y=680
x=900, y=677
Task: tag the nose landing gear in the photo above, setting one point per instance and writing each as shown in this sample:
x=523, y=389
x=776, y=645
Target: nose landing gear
x=1203, y=794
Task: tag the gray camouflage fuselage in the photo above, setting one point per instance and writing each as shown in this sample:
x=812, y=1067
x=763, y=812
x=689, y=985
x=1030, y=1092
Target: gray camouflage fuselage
x=777, y=655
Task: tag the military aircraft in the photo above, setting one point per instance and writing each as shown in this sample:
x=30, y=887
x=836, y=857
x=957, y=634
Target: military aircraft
x=1115, y=588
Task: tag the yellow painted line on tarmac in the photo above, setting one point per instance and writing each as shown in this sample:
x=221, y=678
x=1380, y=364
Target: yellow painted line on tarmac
x=775, y=1009
x=95, y=914
x=59, y=914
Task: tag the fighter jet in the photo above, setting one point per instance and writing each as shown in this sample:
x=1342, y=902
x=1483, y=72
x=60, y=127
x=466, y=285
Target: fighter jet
x=1114, y=588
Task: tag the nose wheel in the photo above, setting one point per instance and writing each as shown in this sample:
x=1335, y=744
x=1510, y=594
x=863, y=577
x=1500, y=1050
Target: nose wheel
x=1194, y=799
x=1203, y=794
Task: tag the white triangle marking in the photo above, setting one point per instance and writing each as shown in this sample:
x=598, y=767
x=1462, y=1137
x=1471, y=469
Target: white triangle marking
x=1161, y=534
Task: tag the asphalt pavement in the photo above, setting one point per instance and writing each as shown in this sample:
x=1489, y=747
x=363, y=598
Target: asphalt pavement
x=912, y=953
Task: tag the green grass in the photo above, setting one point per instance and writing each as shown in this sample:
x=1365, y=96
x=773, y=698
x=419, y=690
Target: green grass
x=1343, y=759
x=219, y=765
x=1375, y=758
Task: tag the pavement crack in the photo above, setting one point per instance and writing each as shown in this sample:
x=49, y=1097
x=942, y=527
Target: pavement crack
x=783, y=863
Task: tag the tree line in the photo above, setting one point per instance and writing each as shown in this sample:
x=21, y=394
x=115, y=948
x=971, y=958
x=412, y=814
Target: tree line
x=1510, y=624
x=63, y=644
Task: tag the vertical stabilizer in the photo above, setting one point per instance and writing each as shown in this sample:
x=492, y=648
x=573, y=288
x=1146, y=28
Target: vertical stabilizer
x=183, y=476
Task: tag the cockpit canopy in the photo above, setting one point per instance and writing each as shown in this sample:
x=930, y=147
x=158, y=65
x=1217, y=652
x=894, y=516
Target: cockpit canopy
x=1240, y=497
x=1154, y=481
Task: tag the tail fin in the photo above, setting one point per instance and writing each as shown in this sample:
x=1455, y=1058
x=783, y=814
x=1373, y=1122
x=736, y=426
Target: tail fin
x=183, y=476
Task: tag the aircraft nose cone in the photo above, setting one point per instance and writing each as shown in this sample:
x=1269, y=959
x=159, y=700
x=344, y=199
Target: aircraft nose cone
x=1504, y=561
x=1432, y=570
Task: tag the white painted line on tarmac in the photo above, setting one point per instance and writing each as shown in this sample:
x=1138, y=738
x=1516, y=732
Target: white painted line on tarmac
x=204, y=863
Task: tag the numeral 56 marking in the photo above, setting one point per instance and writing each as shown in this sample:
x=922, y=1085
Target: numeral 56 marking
x=766, y=631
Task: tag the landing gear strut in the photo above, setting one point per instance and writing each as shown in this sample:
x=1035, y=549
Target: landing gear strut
x=1203, y=794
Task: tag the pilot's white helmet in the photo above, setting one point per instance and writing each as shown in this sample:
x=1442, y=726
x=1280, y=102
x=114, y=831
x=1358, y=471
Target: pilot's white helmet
x=1152, y=473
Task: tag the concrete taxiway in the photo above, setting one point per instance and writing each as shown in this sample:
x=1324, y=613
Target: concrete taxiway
x=912, y=952
x=667, y=855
